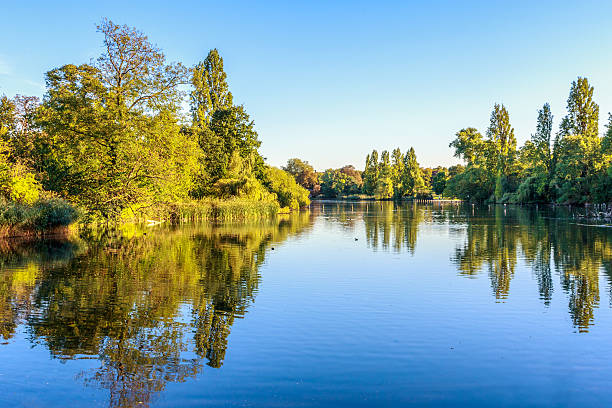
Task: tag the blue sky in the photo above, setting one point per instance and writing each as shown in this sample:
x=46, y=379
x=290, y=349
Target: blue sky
x=328, y=81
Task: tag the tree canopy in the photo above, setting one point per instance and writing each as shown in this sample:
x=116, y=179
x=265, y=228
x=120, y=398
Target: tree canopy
x=112, y=136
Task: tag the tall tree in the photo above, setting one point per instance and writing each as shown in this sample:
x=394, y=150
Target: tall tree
x=582, y=112
x=537, y=160
x=370, y=173
x=226, y=134
x=24, y=136
x=412, y=181
x=542, y=138
x=114, y=141
x=210, y=89
x=578, y=155
x=384, y=181
x=501, y=134
x=397, y=169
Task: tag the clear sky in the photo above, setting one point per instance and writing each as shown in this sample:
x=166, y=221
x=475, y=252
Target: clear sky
x=328, y=81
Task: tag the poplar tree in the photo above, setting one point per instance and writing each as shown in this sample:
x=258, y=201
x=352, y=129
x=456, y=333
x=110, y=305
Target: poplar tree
x=582, y=112
x=537, y=160
x=578, y=153
x=225, y=133
x=370, y=174
x=397, y=169
x=542, y=138
x=210, y=89
x=384, y=181
x=412, y=181
x=501, y=136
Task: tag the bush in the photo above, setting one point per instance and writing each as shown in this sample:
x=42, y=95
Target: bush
x=288, y=192
x=42, y=216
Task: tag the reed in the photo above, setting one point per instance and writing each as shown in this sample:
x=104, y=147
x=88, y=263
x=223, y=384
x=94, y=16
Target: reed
x=220, y=210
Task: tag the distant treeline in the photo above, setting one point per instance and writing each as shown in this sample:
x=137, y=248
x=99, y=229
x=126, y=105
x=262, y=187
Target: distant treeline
x=573, y=166
x=111, y=137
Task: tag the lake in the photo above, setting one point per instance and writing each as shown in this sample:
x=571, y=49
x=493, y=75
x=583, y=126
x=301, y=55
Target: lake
x=345, y=305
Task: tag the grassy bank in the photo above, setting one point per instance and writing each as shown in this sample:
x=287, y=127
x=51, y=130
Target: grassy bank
x=46, y=216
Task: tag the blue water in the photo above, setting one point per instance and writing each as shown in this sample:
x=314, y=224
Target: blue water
x=347, y=305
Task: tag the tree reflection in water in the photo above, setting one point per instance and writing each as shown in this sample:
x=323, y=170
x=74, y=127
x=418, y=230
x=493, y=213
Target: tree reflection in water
x=158, y=308
x=150, y=308
x=549, y=241
x=495, y=238
x=387, y=224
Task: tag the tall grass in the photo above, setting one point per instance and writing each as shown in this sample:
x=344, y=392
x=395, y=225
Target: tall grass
x=43, y=216
x=220, y=210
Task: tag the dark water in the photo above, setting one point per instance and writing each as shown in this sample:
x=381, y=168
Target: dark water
x=431, y=306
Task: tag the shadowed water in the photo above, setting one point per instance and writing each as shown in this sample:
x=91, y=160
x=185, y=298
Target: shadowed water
x=348, y=304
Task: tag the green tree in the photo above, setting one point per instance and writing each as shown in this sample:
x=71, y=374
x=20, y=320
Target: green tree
x=17, y=182
x=468, y=145
x=340, y=182
x=289, y=193
x=370, y=173
x=231, y=130
x=537, y=160
x=438, y=180
x=114, y=141
x=397, y=169
x=221, y=130
x=580, y=165
x=412, y=181
x=384, y=181
x=26, y=137
x=210, y=89
x=537, y=151
x=473, y=183
x=501, y=136
x=582, y=112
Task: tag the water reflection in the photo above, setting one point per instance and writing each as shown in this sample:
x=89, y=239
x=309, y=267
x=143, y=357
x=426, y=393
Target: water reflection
x=158, y=308
x=551, y=241
x=151, y=308
x=388, y=225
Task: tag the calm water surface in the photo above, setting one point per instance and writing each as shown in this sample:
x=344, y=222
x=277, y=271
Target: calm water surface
x=346, y=305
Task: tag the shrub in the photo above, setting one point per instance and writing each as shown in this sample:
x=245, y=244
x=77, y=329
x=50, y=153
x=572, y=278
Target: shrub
x=288, y=192
x=41, y=216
